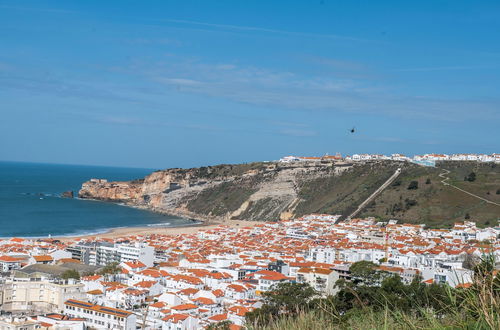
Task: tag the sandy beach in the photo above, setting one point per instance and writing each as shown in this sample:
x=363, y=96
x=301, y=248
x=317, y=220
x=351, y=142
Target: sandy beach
x=130, y=231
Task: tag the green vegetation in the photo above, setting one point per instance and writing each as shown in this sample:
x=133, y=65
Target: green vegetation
x=223, y=198
x=390, y=304
x=471, y=177
x=70, y=273
x=342, y=193
x=228, y=170
x=413, y=185
x=287, y=299
x=112, y=268
x=224, y=325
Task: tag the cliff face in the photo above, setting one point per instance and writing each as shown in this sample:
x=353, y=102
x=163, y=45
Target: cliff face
x=270, y=191
x=257, y=191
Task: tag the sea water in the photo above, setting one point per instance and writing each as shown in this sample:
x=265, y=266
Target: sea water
x=31, y=206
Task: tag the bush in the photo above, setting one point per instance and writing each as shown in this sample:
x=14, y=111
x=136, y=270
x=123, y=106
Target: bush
x=413, y=185
x=286, y=299
x=70, y=273
x=112, y=268
x=471, y=177
x=410, y=203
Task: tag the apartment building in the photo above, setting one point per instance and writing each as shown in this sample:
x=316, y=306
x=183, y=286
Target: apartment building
x=100, y=317
x=104, y=253
x=322, y=280
x=38, y=294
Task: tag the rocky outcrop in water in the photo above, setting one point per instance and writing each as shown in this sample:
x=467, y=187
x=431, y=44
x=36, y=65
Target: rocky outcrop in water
x=68, y=194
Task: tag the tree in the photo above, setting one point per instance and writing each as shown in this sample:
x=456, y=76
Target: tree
x=467, y=216
x=396, y=183
x=413, y=185
x=365, y=271
x=284, y=299
x=471, y=177
x=498, y=191
x=428, y=181
x=224, y=325
x=111, y=268
x=288, y=297
x=470, y=261
x=70, y=273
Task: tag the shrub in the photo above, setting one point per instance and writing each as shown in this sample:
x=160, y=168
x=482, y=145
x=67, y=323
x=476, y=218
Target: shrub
x=471, y=177
x=70, y=273
x=413, y=185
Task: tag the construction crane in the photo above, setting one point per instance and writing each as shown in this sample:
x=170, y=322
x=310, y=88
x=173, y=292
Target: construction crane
x=386, y=244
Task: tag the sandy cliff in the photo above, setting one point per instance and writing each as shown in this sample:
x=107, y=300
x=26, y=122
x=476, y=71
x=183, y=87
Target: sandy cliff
x=258, y=191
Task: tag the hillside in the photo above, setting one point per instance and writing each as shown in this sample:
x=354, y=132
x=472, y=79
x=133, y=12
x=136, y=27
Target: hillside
x=270, y=191
x=439, y=205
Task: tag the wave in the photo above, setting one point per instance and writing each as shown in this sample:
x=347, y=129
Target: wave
x=164, y=224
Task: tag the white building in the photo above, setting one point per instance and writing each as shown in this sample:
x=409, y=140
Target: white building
x=8, y=263
x=100, y=317
x=17, y=323
x=137, y=252
x=322, y=280
x=38, y=294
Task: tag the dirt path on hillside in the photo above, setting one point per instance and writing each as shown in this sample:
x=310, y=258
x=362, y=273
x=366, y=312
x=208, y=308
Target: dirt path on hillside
x=445, y=178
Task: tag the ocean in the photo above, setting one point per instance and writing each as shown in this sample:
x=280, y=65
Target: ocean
x=31, y=206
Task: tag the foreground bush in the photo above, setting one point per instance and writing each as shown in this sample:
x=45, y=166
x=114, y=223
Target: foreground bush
x=376, y=301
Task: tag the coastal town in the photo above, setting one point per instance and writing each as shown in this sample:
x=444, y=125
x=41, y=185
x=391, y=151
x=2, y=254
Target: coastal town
x=426, y=159
x=217, y=273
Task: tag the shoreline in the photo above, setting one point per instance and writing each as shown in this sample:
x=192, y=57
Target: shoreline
x=123, y=232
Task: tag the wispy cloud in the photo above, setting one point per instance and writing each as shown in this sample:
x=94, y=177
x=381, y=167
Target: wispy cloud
x=285, y=89
x=298, y=132
x=262, y=29
x=38, y=9
x=450, y=68
x=154, y=41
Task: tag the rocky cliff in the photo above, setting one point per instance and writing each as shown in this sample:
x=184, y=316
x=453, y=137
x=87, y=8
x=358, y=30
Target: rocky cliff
x=270, y=191
x=256, y=191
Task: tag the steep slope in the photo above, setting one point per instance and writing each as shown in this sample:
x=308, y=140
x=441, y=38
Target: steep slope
x=269, y=191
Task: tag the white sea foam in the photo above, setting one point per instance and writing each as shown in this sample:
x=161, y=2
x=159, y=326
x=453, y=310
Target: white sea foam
x=164, y=224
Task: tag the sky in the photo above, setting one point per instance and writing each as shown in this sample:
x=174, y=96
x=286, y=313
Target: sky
x=160, y=84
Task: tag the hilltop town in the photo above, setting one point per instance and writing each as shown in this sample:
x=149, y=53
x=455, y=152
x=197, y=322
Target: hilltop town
x=426, y=159
x=217, y=274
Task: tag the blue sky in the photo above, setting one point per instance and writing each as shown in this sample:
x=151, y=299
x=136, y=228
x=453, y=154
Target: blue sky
x=187, y=83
